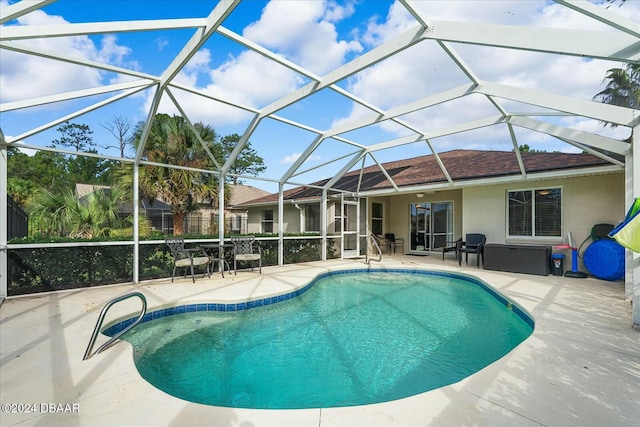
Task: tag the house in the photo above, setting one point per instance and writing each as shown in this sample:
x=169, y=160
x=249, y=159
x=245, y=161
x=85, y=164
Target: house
x=514, y=198
x=158, y=213
x=205, y=219
x=202, y=221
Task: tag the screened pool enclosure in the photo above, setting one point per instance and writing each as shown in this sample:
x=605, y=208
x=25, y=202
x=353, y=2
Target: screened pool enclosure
x=353, y=86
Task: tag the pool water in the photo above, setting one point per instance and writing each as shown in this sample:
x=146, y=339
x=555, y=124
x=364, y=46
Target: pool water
x=351, y=339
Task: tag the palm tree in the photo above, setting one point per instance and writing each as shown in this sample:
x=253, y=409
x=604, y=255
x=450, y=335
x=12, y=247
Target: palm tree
x=623, y=88
x=171, y=141
x=95, y=215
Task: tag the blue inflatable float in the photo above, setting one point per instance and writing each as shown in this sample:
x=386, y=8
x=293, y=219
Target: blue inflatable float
x=605, y=259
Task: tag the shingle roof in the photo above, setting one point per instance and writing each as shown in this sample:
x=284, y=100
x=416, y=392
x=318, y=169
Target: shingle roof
x=461, y=165
x=244, y=193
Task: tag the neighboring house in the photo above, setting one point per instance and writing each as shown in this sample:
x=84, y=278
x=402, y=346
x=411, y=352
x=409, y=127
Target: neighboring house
x=157, y=212
x=238, y=217
x=202, y=221
x=488, y=192
x=205, y=219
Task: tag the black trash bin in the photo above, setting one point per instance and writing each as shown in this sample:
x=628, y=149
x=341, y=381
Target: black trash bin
x=557, y=264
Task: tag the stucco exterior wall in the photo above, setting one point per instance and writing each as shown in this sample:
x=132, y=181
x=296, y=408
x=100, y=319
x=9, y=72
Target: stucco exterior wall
x=291, y=219
x=586, y=201
x=396, y=215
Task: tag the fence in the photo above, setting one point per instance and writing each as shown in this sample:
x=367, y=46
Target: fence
x=197, y=224
x=17, y=220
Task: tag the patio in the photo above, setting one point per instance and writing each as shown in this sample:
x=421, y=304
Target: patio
x=580, y=366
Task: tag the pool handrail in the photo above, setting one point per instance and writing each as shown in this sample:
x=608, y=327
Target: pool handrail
x=88, y=354
x=376, y=246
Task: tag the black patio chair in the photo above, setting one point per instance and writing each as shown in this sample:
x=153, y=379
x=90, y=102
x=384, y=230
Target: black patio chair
x=473, y=244
x=451, y=247
x=394, y=242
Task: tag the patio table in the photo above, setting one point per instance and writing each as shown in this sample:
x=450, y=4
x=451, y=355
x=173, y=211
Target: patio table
x=210, y=248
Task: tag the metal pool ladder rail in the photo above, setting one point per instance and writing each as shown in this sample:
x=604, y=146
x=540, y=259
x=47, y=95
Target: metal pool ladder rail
x=96, y=330
x=374, y=243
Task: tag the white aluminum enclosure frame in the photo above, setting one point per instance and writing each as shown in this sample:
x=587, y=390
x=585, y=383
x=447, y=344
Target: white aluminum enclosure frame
x=621, y=44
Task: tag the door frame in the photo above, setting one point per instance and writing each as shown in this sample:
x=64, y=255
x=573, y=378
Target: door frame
x=347, y=231
x=432, y=236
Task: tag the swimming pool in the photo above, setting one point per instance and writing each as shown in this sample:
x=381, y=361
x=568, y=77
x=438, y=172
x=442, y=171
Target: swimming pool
x=348, y=338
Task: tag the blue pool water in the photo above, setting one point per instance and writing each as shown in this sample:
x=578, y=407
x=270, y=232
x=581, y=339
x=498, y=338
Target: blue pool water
x=350, y=339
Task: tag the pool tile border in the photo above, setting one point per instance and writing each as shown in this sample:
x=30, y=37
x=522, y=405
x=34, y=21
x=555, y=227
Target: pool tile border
x=246, y=305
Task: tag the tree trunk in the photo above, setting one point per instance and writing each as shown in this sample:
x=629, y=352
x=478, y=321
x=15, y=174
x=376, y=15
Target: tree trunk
x=178, y=223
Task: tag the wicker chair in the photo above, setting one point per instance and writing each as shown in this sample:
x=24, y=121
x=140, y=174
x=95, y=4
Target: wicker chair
x=243, y=250
x=184, y=258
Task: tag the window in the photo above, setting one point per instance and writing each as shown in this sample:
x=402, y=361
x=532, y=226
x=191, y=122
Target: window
x=194, y=223
x=267, y=221
x=376, y=218
x=236, y=224
x=535, y=213
x=311, y=216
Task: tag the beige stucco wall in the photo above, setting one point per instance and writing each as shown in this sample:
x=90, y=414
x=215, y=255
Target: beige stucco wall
x=586, y=201
x=255, y=218
x=396, y=211
x=291, y=220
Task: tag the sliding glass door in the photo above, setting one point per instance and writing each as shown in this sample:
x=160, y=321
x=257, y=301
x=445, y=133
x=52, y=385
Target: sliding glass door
x=431, y=225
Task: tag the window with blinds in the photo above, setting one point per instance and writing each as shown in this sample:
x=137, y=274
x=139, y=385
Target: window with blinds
x=535, y=213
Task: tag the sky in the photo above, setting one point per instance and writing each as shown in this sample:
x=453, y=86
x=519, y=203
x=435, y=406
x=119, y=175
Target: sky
x=318, y=36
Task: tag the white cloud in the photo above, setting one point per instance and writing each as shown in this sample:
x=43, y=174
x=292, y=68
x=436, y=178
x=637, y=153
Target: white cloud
x=161, y=43
x=291, y=158
x=252, y=80
x=425, y=69
x=28, y=76
x=304, y=32
x=248, y=79
x=397, y=21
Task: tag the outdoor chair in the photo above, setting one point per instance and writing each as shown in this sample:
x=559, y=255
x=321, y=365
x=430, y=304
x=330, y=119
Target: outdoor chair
x=243, y=250
x=184, y=258
x=394, y=242
x=472, y=244
x=451, y=247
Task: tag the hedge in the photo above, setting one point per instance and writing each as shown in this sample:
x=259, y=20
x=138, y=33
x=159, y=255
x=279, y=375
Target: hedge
x=56, y=268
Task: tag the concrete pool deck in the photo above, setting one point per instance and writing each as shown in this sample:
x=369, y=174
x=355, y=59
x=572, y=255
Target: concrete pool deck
x=580, y=367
